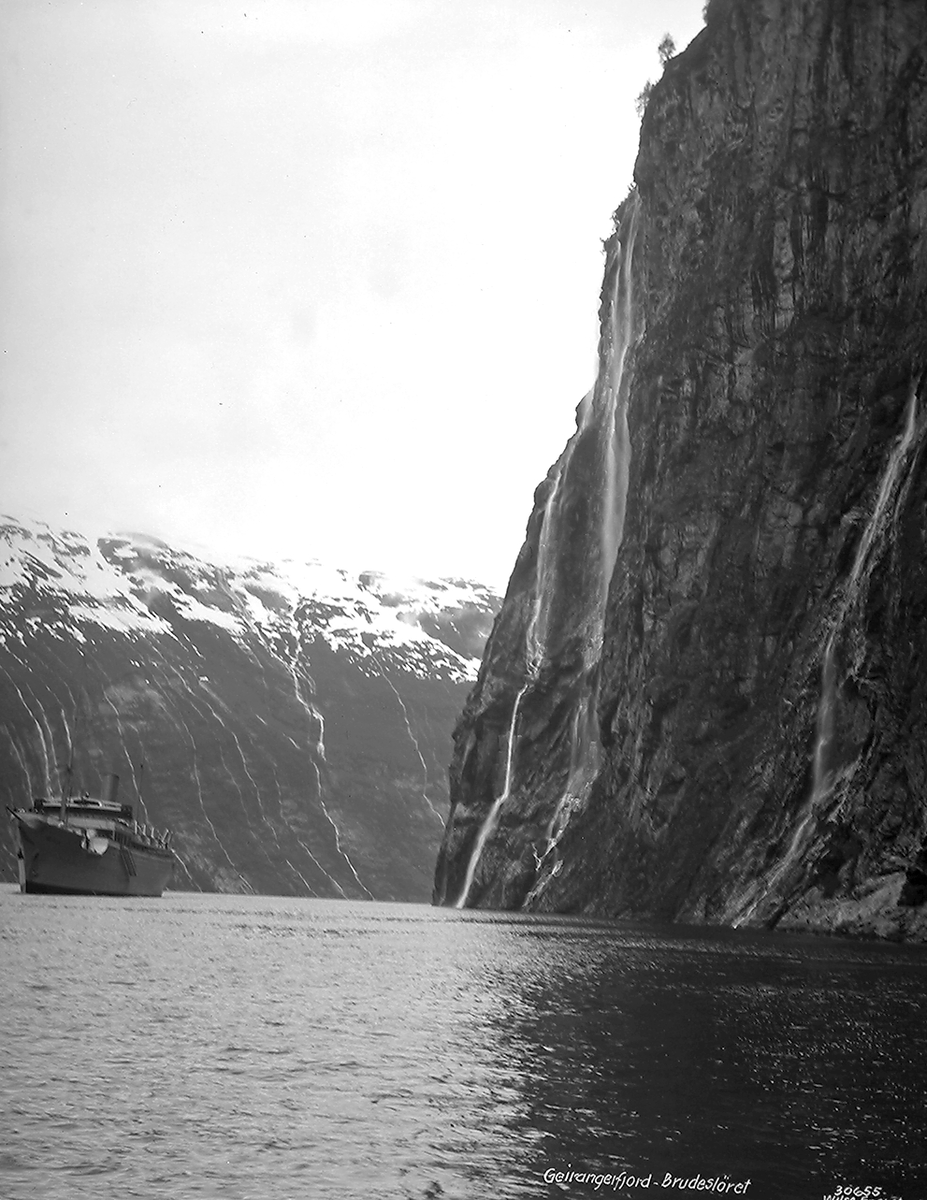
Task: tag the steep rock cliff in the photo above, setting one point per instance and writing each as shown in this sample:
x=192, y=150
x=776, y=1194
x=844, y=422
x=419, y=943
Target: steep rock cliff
x=734, y=733
x=290, y=723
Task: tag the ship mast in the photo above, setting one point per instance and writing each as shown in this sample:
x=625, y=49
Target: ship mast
x=66, y=791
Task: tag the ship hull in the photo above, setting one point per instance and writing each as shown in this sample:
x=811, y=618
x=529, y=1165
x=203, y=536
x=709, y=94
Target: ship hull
x=56, y=859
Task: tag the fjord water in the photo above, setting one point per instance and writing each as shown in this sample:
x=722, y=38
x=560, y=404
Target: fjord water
x=265, y=1048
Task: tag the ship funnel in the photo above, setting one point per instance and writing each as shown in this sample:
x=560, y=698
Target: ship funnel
x=110, y=787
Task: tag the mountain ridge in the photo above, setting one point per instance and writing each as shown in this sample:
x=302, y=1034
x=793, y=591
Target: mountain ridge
x=308, y=707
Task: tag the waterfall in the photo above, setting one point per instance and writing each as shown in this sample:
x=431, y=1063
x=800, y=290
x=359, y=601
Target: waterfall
x=611, y=395
x=493, y=816
x=617, y=443
x=824, y=731
x=536, y=637
x=874, y=526
x=535, y=641
x=601, y=415
x=822, y=767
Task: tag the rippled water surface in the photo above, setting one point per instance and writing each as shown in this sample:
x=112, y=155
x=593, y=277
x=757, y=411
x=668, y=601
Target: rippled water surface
x=266, y=1048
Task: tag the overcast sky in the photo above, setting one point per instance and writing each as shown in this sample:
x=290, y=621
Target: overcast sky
x=314, y=278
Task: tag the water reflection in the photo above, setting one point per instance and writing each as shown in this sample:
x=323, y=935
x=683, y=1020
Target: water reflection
x=262, y=1047
x=795, y=1063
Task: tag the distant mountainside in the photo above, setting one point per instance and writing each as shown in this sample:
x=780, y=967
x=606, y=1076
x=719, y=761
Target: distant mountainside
x=289, y=722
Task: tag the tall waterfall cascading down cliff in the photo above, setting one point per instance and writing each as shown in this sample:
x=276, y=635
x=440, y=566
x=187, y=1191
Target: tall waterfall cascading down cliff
x=575, y=541
x=703, y=699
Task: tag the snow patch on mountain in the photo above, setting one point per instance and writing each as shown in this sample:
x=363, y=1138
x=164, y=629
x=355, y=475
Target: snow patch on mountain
x=140, y=586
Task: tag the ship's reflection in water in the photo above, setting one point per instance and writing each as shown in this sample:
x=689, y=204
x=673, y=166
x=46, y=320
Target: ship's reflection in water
x=266, y=1048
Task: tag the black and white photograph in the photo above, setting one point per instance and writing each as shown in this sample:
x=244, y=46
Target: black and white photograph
x=463, y=599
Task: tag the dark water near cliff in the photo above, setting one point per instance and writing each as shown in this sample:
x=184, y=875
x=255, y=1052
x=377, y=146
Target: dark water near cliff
x=262, y=1048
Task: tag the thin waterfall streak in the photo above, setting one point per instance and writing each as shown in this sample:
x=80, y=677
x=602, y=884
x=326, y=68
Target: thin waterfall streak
x=822, y=770
x=199, y=792
x=256, y=632
x=255, y=835
x=181, y=723
x=125, y=750
x=264, y=641
x=320, y=740
x=315, y=715
x=342, y=851
x=75, y=713
x=318, y=784
x=609, y=398
x=290, y=658
x=405, y=716
x=244, y=808
x=302, y=878
x=414, y=740
x=617, y=443
x=492, y=816
x=889, y=480
x=169, y=667
x=320, y=750
x=825, y=720
x=307, y=706
x=179, y=858
x=48, y=731
x=50, y=651
x=580, y=745
x=290, y=829
x=334, y=882
x=22, y=762
x=10, y=854
x=251, y=829
x=536, y=636
x=214, y=713
x=253, y=782
x=27, y=666
x=45, y=760
x=310, y=709
x=600, y=408
x=190, y=644
x=45, y=730
x=264, y=817
x=67, y=729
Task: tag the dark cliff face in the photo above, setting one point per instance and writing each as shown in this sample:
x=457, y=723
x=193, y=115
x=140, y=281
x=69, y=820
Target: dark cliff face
x=755, y=700
x=289, y=723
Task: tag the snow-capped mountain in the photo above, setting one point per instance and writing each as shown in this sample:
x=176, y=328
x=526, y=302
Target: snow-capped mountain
x=289, y=722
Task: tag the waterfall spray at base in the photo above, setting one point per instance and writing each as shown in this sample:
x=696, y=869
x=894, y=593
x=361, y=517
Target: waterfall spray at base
x=493, y=816
x=602, y=423
x=823, y=776
x=534, y=649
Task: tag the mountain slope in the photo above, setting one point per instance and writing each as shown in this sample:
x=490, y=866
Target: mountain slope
x=739, y=737
x=289, y=723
